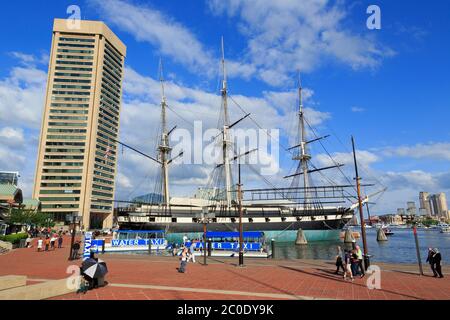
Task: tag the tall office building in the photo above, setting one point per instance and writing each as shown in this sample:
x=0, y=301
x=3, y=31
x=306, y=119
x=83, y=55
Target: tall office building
x=76, y=164
x=442, y=204
x=439, y=202
x=425, y=203
x=411, y=208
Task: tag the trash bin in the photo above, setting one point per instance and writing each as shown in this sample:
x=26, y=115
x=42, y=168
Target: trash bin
x=22, y=243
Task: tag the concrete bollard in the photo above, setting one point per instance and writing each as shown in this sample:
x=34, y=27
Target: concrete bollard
x=348, y=237
x=301, y=239
x=380, y=235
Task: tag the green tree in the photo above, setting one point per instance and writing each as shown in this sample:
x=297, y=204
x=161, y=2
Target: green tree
x=29, y=217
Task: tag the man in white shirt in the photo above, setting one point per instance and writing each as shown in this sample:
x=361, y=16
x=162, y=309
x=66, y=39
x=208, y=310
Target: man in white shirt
x=39, y=244
x=192, y=251
x=52, y=242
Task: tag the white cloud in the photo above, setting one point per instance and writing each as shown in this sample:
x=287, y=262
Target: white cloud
x=435, y=151
x=357, y=109
x=12, y=136
x=160, y=30
x=22, y=97
x=288, y=35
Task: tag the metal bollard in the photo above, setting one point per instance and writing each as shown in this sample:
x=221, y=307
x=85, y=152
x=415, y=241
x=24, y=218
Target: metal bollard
x=209, y=248
x=273, y=248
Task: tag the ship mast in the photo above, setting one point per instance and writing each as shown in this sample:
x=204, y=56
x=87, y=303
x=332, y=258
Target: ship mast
x=303, y=155
x=164, y=148
x=226, y=138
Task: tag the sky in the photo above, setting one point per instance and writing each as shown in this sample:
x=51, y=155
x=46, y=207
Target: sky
x=388, y=87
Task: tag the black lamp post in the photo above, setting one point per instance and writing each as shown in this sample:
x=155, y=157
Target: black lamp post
x=75, y=220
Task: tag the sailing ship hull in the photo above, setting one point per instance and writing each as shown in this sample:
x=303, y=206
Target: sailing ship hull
x=317, y=228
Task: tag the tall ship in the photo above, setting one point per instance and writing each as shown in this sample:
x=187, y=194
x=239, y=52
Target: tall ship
x=321, y=211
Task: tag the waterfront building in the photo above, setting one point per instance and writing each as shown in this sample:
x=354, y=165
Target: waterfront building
x=411, y=208
x=9, y=177
x=76, y=160
x=439, y=205
x=424, y=199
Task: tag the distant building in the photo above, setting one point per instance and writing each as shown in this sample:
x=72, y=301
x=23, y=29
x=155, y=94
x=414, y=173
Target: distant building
x=392, y=219
x=411, y=208
x=9, y=177
x=401, y=211
x=424, y=199
x=439, y=205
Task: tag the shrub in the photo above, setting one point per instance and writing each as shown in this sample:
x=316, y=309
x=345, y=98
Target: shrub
x=14, y=238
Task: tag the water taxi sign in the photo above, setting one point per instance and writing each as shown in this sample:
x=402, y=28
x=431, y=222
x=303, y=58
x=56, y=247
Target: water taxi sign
x=137, y=242
x=87, y=245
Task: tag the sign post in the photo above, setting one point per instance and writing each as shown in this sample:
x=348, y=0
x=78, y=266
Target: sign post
x=419, y=260
x=87, y=245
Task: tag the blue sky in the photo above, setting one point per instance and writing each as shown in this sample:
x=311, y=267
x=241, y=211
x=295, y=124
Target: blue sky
x=390, y=88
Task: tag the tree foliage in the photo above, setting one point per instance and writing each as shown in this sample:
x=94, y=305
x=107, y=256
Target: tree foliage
x=29, y=217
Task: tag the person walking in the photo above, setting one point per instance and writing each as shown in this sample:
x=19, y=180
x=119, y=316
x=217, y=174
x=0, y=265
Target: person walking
x=360, y=261
x=430, y=260
x=436, y=263
x=354, y=262
x=60, y=241
x=339, y=262
x=47, y=243
x=76, y=246
x=39, y=245
x=52, y=242
x=192, y=251
x=347, y=264
x=183, y=258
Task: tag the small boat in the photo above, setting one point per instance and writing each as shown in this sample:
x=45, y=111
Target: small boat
x=131, y=240
x=387, y=231
x=226, y=244
x=444, y=228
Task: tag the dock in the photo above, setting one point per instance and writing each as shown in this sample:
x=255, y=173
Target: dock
x=142, y=277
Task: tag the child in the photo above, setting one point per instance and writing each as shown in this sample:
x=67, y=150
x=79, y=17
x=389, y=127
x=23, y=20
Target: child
x=39, y=245
x=47, y=243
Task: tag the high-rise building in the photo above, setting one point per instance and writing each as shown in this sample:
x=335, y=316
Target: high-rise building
x=439, y=204
x=442, y=204
x=424, y=200
x=76, y=160
x=411, y=208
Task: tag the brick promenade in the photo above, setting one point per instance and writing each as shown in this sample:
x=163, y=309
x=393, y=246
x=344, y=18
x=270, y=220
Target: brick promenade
x=138, y=277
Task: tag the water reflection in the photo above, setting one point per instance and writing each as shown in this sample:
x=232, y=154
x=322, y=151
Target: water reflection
x=400, y=248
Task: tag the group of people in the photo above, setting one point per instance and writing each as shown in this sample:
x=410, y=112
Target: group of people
x=49, y=242
x=187, y=254
x=351, y=263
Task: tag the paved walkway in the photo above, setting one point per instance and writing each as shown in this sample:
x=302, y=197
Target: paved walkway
x=137, y=277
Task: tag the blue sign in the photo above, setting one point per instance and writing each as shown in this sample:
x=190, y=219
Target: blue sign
x=87, y=245
x=233, y=246
x=136, y=242
x=97, y=245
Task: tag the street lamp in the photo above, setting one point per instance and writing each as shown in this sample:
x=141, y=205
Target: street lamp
x=205, y=217
x=241, y=235
x=75, y=220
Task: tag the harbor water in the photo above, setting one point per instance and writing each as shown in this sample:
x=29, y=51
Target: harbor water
x=400, y=247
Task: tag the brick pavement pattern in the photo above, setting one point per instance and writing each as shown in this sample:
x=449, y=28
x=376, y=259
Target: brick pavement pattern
x=141, y=277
